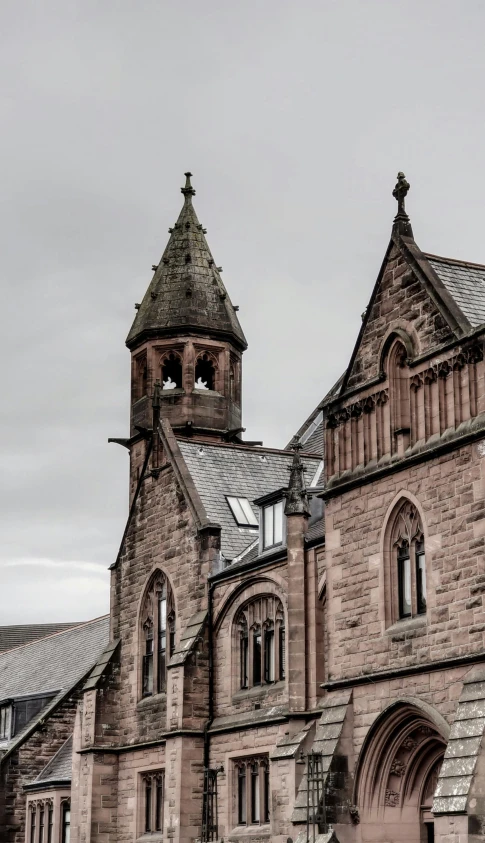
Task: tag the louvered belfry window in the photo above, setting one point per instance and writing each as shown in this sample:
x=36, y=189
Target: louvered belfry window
x=260, y=628
x=157, y=635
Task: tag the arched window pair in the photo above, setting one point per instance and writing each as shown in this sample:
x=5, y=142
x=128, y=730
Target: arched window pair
x=262, y=642
x=408, y=567
x=158, y=635
x=205, y=371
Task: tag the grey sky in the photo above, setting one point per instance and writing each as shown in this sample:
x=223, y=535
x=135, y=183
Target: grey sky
x=294, y=118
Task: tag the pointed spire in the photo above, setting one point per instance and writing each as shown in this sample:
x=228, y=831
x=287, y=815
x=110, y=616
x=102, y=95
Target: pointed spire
x=296, y=496
x=186, y=292
x=188, y=190
x=402, y=223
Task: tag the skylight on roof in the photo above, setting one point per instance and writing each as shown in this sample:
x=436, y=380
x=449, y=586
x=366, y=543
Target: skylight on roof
x=242, y=511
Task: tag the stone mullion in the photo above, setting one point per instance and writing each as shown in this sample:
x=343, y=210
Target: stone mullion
x=354, y=443
x=472, y=386
x=465, y=393
x=457, y=395
x=329, y=451
x=360, y=439
x=153, y=800
x=348, y=444
x=341, y=443
x=367, y=446
x=442, y=402
x=415, y=386
x=427, y=409
x=379, y=429
x=373, y=432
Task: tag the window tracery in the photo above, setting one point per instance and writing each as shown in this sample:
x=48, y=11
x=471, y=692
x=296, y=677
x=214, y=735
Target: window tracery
x=260, y=629
x=408, y=564
x=158, y=635
x=253, y=790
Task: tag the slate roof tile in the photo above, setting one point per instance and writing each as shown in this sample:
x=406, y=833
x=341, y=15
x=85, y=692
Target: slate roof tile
x=18, y=634
x=59, y=767
x=466, y=284
x=53, y=663
x=221, y=470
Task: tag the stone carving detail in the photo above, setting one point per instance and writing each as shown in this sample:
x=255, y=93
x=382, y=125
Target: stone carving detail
x=409, y=744
x=354, y=814
x=398, y=768
x=364, y=405
x=391, y=799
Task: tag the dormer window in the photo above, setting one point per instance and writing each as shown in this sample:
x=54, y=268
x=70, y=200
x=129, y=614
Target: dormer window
x=272, y=520
x=242, y=511
x=5, y=722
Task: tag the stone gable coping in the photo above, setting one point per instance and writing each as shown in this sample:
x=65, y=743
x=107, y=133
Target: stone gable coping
x=456, y=774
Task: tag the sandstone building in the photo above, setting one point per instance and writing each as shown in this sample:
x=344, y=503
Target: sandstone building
x=296, y=644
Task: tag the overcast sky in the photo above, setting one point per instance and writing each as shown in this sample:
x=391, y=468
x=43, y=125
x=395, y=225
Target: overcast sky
x=294, y=118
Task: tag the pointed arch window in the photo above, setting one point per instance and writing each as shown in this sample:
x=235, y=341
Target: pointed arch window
x=261, y=632
x=205, y=372
x=408, y=564
x=158, y=635
x=171, y=365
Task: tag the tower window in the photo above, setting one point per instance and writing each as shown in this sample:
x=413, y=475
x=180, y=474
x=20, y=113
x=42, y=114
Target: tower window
x=171, y=371
x=158, y=639
x=205, y=372
x=407, y=571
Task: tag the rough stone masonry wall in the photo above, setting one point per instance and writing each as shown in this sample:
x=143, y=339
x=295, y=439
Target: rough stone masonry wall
x=254, y=741
x=450, y=491
x=24, y=765
x=161, y=534
x=401, y=298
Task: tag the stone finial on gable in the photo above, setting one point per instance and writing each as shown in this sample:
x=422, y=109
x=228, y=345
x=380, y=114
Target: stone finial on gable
x=402, y=223
x=296, y=495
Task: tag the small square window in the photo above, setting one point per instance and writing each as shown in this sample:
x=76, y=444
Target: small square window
x=242, y=511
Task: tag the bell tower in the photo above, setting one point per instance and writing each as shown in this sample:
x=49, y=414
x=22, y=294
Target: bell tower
x=186, y=335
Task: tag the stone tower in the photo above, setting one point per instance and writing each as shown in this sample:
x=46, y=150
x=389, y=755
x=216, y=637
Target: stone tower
x=186, y=335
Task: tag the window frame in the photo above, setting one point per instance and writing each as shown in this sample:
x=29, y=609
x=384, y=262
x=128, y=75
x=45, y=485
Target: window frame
x=260, y=643
x=405, y=564
x=157, y=642
x=5, y=721
x=252, y=791
x=246, y=518
x=273, y=541
x=65, y=823
x=152, y=806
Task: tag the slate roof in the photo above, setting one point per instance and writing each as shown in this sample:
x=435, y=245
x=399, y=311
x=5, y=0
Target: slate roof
x=311, y=433
x=186, y=290
x=220, y=470
x=59, y=767
x=53, y=663
x=466, y=284
x=18, y=634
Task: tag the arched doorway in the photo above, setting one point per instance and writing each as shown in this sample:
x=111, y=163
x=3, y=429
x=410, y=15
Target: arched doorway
x=397, y=774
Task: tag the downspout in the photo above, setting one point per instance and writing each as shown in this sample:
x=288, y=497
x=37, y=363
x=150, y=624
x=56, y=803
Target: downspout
x=205, y=796
x=211, y=676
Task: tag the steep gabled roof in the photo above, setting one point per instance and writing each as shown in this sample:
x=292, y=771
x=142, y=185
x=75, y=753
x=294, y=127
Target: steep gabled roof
x=52, y=663
x=221, y=470
x=18, y=634
x=59, y=768
x=466, y=284
x=186, y=293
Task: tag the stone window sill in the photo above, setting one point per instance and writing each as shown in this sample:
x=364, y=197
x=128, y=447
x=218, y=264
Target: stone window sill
x=251, y=832
x=406, y=625
x=150, y=837
x=145, y=701
x=258, y=691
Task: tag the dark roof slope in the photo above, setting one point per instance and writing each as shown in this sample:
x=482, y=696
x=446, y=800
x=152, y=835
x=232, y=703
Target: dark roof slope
x=186, y=291
x=53, y=663
x=59, y=768
x=466, y=284
x=220, y=470
x=18, y=634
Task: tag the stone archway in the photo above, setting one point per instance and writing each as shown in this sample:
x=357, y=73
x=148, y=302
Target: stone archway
x=397, y=774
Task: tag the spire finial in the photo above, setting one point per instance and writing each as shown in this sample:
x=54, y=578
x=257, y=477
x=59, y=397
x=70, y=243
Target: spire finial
x=402, y=223
x=296, y=497
x=188, y=190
